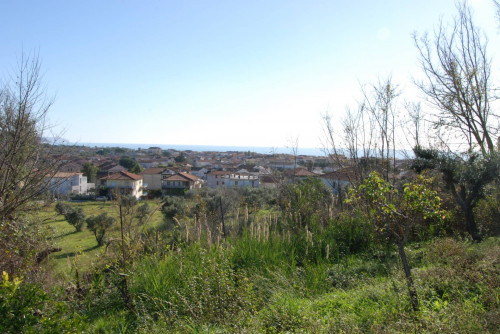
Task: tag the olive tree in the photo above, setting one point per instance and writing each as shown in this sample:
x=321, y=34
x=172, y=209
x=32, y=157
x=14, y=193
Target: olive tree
x=75, y=217
x=99, y=225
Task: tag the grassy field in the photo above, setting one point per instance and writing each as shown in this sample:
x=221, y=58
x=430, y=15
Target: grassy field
x=261, y=280
x=81, y=247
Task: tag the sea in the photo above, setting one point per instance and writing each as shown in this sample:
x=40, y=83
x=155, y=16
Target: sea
x=213, y=148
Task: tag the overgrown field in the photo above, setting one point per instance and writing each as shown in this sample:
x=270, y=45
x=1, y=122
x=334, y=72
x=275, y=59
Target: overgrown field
x=253, y=262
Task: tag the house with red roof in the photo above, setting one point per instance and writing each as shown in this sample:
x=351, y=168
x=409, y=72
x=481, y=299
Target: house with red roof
x=180, y=182
x=124, y=183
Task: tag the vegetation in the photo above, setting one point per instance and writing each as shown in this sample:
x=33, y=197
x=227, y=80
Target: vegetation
x=297, y=259
x=90, y=171
x=131, y=165
x=99, y=225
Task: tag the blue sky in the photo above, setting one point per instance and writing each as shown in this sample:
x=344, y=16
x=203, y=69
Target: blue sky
x=242, y=73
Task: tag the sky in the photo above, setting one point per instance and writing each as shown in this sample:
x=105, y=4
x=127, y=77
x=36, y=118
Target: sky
x=229, y=73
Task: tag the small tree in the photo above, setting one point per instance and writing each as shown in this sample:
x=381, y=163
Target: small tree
x=99, y=225
x=76, y=217
x=180, y=158
x=466, y=177
x=63, y=208
x=90, y=171
x=143, y=213
x=394, y=213
x=131, y=165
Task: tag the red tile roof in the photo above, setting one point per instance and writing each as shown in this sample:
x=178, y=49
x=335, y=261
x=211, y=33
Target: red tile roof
x=153, y=170
x=123, y=175
x=182, y=177
x=189, y=176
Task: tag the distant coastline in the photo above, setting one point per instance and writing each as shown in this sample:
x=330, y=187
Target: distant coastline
x=211, y=148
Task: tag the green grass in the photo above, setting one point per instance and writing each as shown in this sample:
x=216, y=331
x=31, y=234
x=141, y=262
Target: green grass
x=81, y=248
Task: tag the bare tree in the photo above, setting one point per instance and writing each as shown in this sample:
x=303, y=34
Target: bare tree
x=367, y=135
x=24, y=158
x=25, y=165
x=457, y=81
x=381, y=104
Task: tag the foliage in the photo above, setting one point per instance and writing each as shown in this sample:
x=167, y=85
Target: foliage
x=25, y=307
x=76, y=217
x=466, y=176
x=21, y=240
x=180, y=158
x=131, y=165
x=63, y=208
x=394, y=214
x=173, y=207
x=306, y=203
x=193, y=284
x=90, y=171
x=143, y=212
x=99, y=225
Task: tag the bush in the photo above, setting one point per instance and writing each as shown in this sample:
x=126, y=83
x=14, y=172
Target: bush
x=25, y=307
x=99, y=225
x=63, y=208
x=76, y=217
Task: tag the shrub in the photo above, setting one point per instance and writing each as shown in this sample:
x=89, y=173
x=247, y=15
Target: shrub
x=63, y=208
x=99, y=225
x=25, y=307
x=76, y=217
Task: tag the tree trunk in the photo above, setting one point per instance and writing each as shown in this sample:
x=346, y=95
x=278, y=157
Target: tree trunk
x=409, y=279
x=470, y=223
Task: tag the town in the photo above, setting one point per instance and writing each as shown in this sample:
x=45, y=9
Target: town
x=90, y=173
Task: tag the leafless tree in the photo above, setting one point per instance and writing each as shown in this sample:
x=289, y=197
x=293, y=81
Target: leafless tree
x=366, y=136
x=457, y=81
x=25, y=162
x=25, y=165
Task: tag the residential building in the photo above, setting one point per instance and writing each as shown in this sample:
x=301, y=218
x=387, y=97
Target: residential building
x=180, y=182
x=216, y=179
x=337, y=181
x=152, y=177
x=68, y=183
x=124, y=183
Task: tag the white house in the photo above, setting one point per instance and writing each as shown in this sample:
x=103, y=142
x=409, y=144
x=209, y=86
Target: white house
x=216, y=179
x=69, y=183
x=124, y=183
